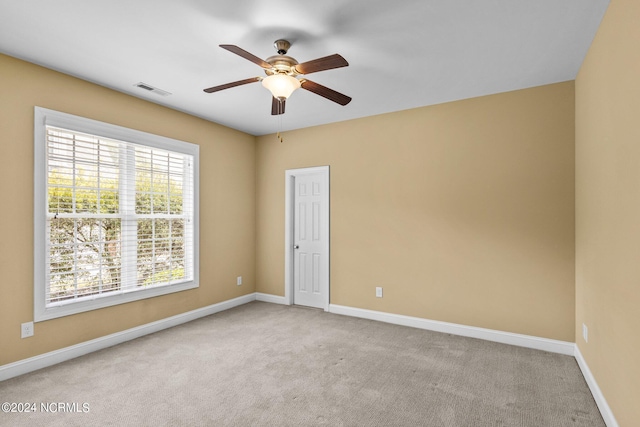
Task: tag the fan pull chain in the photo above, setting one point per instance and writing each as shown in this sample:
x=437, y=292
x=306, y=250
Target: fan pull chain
x=278, y=136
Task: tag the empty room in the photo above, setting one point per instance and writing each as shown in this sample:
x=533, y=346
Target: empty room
x=349, y=213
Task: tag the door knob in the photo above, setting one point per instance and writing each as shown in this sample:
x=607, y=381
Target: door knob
x=296, y=247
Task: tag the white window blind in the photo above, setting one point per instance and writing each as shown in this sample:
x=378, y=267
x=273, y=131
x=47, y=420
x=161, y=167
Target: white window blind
x=119, y=220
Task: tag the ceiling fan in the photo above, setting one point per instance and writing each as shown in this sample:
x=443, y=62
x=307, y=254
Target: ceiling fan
x=282, y=75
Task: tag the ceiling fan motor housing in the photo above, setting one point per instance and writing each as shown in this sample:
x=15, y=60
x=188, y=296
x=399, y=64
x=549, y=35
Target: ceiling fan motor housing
x=281, y=64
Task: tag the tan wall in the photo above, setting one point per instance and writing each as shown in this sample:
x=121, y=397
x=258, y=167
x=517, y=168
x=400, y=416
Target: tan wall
x=463, y=212
x=608, y=209
x=227, y=206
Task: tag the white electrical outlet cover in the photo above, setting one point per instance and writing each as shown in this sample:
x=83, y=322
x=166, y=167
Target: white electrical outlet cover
x=26, y=330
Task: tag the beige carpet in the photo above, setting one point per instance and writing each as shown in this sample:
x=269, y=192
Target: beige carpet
x=269, y=365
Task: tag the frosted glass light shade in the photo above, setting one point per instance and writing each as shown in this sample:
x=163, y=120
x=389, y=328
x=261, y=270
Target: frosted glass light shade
x=281, y=85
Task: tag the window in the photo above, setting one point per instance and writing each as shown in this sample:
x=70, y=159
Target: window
x=115, y=212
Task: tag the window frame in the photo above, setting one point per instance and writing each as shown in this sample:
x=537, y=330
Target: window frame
x=44, y=117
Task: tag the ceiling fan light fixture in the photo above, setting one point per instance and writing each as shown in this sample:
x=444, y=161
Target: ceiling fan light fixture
x=281, y=85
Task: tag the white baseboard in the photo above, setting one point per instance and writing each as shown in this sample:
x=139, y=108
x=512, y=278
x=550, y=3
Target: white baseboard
x=47, y=359
x=553, y=346
x=274, y=299
x=603, y=406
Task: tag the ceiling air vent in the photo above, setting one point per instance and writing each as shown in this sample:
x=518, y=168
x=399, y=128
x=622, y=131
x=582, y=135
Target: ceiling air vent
x=152, y=89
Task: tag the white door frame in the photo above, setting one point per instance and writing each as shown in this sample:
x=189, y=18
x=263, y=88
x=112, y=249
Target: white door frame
x=290, y=175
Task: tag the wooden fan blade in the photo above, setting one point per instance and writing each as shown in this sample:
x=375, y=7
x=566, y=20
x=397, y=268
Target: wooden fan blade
x=232, y=84
x=325, y=92
x=321, y=64
x=277, y=106
x=246, y=55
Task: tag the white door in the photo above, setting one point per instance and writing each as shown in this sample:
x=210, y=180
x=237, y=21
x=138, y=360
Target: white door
x=310, y=237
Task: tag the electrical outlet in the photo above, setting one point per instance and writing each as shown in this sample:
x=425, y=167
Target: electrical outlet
x=378, y=292
x=239, y=280
x=585, y=333
x=26, y=330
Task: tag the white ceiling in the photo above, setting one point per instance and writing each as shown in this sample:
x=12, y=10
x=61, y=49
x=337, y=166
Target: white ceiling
x=402, y=54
